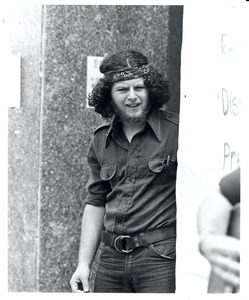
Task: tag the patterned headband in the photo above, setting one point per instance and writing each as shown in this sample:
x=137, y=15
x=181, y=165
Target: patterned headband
x=126, y=73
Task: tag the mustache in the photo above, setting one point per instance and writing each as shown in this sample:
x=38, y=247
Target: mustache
x=133, y=120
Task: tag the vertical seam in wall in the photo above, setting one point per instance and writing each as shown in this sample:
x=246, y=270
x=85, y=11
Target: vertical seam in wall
x=40, y=156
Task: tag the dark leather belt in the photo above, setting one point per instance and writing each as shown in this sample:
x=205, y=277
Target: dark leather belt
x=127, y=243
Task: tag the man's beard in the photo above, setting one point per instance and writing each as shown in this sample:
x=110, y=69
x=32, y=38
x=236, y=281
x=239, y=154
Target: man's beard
x=132, y=120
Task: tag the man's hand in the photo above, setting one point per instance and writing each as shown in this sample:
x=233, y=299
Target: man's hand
x=224, y=255
x=80, y=280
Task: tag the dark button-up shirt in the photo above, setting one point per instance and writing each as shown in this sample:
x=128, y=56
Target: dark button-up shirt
x=135, y=181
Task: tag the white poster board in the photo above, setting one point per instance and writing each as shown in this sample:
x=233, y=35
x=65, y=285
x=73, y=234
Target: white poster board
x=93, y=73
x=213, y=92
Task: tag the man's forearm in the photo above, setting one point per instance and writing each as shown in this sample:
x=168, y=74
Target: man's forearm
x=92, y=225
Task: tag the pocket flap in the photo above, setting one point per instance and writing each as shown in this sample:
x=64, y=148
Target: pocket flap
x=107, y=172
x=156, y=165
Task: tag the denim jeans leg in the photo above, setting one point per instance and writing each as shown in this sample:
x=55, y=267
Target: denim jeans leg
x=153, y=273
x=111, y=274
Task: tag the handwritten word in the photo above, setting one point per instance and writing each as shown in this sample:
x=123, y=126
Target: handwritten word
x=230, y=103
x=231, y=158
x=226, y=47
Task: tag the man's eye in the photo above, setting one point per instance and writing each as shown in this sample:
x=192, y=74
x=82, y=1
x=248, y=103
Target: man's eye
x=122, y=90
x=139, y=88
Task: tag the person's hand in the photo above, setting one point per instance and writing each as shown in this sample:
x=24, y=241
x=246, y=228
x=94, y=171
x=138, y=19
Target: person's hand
x=80, y=280
x=223, y=254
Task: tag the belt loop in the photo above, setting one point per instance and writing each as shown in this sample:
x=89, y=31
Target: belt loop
x=143, y=238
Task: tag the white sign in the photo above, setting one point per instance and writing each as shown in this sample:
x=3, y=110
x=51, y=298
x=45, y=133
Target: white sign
x=213, y=93
x=93, y=73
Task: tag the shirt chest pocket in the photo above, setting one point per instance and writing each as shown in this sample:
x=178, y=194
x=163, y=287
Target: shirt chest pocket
x=108, y=172
x=161, y=171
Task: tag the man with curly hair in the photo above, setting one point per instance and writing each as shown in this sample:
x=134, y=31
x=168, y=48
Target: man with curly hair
x=130, y=206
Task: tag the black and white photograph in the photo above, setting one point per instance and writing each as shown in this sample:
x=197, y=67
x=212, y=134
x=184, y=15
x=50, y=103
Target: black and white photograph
x=124, y=161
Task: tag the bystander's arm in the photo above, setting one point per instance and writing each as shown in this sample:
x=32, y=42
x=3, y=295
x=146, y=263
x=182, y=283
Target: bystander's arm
x=222, y=251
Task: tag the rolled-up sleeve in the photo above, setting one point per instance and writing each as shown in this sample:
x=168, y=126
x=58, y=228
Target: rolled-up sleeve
x=230, y=186
x=97, y=189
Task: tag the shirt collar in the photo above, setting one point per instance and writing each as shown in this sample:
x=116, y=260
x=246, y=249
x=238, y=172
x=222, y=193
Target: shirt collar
x=153, y=120
x=114, y=123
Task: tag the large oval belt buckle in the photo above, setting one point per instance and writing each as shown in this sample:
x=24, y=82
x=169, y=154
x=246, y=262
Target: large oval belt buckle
x=121, y=240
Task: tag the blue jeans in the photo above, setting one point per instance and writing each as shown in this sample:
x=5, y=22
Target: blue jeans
x=149, y=269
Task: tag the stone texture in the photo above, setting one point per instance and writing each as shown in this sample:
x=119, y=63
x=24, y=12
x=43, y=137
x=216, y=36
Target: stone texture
x=70, y=33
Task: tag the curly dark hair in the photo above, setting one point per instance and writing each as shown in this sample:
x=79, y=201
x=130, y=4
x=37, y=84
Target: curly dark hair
x=157, y=85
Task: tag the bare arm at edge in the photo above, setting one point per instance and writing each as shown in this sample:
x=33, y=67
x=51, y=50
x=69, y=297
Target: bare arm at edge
x=222, y=251
x=92, y=225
